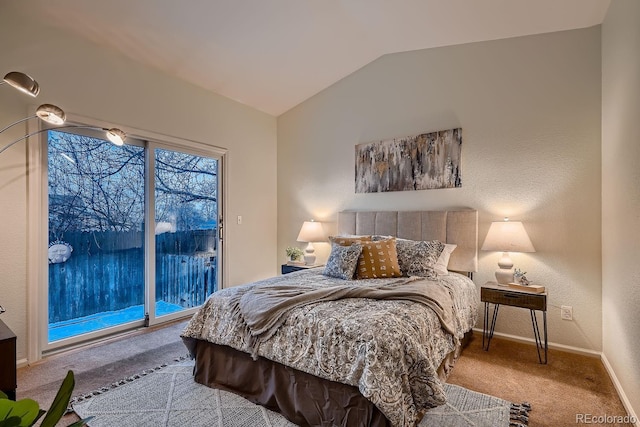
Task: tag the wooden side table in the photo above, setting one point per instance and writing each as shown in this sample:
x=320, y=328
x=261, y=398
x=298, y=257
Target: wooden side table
x=290, y=268
x=491, y=293
x=8, y=377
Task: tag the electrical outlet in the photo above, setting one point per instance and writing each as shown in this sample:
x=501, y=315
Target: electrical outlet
x=566, y=312
x=239, y=219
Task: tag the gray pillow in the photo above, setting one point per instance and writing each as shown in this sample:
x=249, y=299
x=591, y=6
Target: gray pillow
x=343, y=261
x=418, y=258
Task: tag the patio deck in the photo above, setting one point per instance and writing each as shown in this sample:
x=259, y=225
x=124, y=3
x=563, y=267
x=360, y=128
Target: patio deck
x=107, y=319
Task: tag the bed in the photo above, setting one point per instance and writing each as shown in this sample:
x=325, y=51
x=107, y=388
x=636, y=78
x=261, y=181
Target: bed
x=377, y=355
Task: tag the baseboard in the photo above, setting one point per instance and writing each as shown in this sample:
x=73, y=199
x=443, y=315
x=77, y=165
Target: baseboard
x=21, y=363
x=554, y=346
x=620, y=390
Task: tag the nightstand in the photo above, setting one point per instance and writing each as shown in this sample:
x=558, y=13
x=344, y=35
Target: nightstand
x=8, y=378
x=492, y=293
x=290, y=268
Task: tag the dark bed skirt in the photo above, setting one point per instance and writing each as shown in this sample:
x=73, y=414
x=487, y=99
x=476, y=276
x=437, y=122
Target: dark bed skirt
x=302, y=398
x=293, y=393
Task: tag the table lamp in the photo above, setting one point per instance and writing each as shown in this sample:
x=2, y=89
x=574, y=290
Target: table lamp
x=507, y=236
x=311, y=231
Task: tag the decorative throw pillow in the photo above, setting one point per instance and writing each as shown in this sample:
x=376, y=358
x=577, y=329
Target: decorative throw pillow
x=348, y=240
x=418, y=258
x=443, y=259
x=343, y=261
x=378, y=260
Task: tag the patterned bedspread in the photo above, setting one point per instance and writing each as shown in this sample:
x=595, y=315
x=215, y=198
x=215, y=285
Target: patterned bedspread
x=389, y=349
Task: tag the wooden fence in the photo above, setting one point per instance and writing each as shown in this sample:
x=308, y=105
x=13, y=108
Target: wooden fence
x=178, y=243
x=106, y=272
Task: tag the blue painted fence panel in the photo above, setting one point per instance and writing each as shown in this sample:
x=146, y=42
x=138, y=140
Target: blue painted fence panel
x=106, y=272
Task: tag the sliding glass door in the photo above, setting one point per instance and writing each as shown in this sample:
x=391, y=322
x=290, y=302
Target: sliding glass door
x=186, y=214
x=133, y=233
x=96, y=245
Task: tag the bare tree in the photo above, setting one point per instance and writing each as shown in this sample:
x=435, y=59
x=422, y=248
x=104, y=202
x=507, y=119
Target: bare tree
x=185, y=189
x=96, y=186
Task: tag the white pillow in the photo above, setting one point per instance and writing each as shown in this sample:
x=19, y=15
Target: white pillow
x=443, y=260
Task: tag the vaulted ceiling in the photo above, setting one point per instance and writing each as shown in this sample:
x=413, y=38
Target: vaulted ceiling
x=274, y=54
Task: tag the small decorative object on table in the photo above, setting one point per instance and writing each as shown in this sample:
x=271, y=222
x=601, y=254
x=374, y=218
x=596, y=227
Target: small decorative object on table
x=521, y=283
x=294, y=255
x=519, y=277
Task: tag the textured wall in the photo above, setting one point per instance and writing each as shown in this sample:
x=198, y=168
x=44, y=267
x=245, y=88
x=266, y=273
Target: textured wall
x=91, y=81
x=621, y=194
x=529, y=109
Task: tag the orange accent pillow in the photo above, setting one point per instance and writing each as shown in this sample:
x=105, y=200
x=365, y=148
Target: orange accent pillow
x=349, y=240
x=378, y=260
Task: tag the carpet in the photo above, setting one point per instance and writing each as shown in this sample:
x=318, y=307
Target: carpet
x=168, y=396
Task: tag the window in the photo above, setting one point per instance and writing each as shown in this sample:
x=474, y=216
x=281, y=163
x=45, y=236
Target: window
x=112, y=213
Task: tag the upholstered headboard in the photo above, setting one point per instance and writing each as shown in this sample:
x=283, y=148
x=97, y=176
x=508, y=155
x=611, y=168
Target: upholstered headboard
x=459, y=227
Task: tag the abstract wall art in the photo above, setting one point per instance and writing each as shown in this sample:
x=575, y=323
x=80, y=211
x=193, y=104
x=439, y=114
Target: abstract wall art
x=420, y=162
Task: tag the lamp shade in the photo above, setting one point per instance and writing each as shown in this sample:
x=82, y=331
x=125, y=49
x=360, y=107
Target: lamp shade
x=51, y=114
x=116, y=136
x=507, y=236
x=22, y=82
x=311, y=231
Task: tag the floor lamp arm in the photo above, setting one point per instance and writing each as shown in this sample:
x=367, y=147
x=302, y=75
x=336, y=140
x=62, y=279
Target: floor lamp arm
x=19, y=121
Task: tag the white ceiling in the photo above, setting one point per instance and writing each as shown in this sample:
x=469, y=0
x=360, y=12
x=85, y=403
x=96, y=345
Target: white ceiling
x=274, y=54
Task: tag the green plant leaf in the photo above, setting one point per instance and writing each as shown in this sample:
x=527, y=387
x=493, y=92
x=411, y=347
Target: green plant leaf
x=80, y=423
x=40, y=414
x=26, y=410
x=60, y=403
x=10, y=422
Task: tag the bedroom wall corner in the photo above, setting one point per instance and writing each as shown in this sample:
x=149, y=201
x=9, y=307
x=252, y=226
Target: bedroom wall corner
x=621, y=198
x=530, y=112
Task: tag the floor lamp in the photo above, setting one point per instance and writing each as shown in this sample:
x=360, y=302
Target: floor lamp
x=48, y=113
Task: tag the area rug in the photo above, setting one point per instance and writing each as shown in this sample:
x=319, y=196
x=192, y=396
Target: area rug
x=168, y=396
